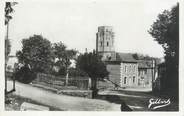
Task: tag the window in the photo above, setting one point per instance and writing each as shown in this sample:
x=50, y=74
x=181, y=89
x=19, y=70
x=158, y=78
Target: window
x=107, y=43
x=101, y=43
x=131, y=70
x=125, y=68
x=139, y=82
x=133, y=79
x=125, y=79
x=145, y=71
x=134, y=68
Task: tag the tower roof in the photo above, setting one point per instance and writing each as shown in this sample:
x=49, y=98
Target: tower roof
x=102, y=28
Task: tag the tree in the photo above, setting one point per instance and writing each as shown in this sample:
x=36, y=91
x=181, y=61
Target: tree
x=76, y=72
x=139, y=56
x=37, y=54
x=24, y=74
x=63, y=57
x=8, y=11
x=92, y=64
x=166, y=32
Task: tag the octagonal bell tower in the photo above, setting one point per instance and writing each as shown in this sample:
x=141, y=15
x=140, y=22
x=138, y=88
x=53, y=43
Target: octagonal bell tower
x=105, y=43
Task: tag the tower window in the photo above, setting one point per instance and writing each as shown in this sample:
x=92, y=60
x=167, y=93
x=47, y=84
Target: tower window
x=133, y=79
x=125, y=79
x=107, y=43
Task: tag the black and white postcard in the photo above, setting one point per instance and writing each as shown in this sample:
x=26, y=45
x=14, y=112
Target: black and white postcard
x=122, y=56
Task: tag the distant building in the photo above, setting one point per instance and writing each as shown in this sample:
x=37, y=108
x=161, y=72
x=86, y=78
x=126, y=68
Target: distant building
x=124, y=69
x=105, y=42
x=12, y=61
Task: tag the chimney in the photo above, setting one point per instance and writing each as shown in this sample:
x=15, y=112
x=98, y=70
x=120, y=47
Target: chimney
x=86, y=50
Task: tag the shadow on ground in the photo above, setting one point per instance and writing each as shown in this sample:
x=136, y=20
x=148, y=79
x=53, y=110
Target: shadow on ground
x=138, y=103
x=111, y=98
x=115, y=99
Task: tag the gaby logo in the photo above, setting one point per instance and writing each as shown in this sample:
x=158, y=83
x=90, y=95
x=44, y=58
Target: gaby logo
x=158, y=103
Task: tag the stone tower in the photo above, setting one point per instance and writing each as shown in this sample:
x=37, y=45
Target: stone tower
x=105, y=43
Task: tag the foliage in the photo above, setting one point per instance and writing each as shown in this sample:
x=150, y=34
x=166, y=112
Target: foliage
x=36, y=53
x=139, y=56
x=63, y=57
x=8, y=11
x=75, y=72
x=92, y=64
x=24, y=74
x=166, y=32
x=62, y=71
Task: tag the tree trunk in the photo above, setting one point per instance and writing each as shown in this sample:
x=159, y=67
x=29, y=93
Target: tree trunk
x=94, y=87
x=67, y=77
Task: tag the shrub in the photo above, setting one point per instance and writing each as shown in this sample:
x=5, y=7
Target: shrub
x=75, y=72
x=24, y=75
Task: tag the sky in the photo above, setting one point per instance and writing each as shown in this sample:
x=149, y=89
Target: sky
x=76, y=23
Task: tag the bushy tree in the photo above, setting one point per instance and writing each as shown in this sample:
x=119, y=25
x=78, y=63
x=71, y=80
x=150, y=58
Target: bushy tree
x=92, y=64
x=63, y=57
x=76, y=72
x=165, y=30
x=24, y=74
x=37, y=54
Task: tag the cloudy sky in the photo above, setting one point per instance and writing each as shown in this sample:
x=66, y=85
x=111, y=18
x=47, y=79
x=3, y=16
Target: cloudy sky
x=76, y=23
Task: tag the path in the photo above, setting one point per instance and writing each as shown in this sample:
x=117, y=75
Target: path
x=62, y=101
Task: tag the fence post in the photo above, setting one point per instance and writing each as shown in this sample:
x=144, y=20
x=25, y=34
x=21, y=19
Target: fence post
x=89, y=83
x=66, y=79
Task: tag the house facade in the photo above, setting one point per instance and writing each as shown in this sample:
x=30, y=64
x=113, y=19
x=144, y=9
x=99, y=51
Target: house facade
x=128, y=74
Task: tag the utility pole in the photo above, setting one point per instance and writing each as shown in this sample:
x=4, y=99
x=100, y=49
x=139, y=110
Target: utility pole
x=8, y=17
x=6, y=56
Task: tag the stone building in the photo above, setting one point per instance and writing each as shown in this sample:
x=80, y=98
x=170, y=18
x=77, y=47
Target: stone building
x=105, y=42
x=124, y=69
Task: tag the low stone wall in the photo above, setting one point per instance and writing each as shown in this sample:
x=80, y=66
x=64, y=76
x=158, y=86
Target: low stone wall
x=77, y=93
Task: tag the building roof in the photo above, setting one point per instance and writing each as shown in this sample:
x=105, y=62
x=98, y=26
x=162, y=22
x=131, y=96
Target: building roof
x=128, y=57
x=145, y=64
x=125, y=57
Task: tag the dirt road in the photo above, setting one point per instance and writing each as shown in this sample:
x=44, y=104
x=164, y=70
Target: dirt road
x=62, y=101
